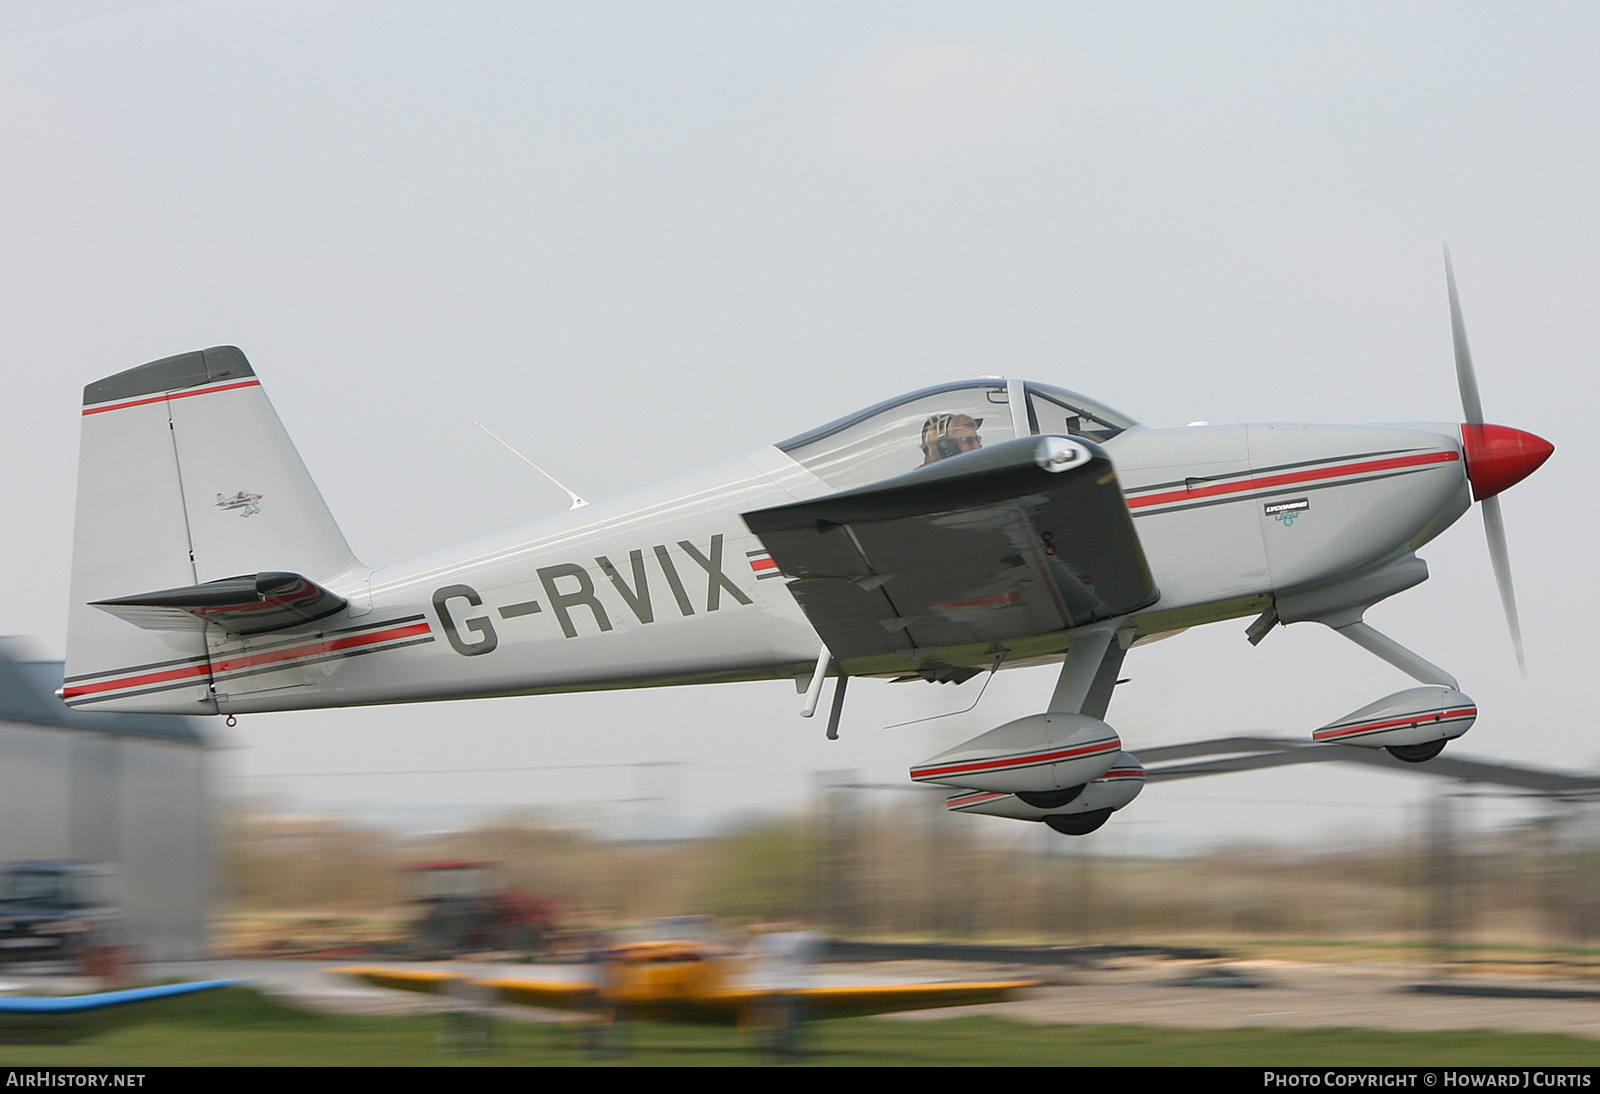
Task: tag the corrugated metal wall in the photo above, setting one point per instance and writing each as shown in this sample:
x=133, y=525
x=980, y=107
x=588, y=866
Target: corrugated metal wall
x=140, y=803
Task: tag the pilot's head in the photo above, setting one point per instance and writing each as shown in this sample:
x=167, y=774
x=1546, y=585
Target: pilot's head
x=946, y=435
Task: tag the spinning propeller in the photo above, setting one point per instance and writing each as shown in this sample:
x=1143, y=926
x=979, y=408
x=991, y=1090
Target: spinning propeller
x=1498, y=457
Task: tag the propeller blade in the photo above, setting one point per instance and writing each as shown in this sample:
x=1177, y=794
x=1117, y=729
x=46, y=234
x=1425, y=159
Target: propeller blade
x=1494, y=529
x=1466, y=379
x=1494, y=525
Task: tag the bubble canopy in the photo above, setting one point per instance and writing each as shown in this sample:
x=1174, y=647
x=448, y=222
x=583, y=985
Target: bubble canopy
x=937, y=423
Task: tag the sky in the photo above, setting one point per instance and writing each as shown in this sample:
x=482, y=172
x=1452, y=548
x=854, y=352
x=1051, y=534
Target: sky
x=638, y=239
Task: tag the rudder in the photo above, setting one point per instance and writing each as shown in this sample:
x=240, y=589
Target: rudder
x=185, y=476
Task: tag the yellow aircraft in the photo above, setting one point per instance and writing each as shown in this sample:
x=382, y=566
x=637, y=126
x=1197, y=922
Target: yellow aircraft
x=690, y=981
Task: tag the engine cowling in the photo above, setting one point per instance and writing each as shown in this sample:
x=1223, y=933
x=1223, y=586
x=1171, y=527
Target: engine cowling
x=1113, y=790
x=1038, y=753
x=1415, y=716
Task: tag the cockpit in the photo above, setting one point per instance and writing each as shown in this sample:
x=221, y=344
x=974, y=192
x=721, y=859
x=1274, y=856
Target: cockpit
x=938, y=423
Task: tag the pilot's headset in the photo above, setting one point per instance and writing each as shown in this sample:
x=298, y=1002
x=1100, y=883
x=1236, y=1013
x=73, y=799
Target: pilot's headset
x=936, y=436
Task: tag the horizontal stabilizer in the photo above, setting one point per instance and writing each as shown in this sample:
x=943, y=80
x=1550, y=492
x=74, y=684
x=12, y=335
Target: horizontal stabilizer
x=252, y=604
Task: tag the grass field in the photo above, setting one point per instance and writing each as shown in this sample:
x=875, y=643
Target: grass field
x=239, y=1026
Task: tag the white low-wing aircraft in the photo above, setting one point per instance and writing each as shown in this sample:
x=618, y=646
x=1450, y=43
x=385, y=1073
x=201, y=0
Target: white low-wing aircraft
x=962, y=528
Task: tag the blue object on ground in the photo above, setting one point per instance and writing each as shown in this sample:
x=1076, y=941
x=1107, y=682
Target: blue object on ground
x=75, y=1004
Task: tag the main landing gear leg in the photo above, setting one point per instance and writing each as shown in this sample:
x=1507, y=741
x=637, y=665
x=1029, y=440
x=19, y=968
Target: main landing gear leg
x=1089, y=673
x=1088, y=677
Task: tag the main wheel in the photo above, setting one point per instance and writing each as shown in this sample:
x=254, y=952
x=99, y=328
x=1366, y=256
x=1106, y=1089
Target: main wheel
x=1050, y=799
x=1078, y=824
x=1416, y=754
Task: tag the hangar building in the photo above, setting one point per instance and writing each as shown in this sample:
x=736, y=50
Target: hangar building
x=128, y=789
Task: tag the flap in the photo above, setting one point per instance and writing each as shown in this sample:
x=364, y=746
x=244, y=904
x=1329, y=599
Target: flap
x=253, y=604
x=1022, y=538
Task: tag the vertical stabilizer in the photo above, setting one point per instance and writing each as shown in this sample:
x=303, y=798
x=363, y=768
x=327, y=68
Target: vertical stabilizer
x=185, y=475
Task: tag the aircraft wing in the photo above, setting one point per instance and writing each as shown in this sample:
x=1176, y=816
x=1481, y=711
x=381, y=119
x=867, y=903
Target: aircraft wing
x=737, y=1005
x=1027, y=537
x=556, y=994
x=749, y=1006
x=856, y=1002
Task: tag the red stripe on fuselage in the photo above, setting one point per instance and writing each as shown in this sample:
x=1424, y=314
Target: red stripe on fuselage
x=234, y=663
x=171, y=395
x=1290, y=478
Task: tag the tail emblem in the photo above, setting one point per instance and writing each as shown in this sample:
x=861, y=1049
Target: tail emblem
x=241, y=501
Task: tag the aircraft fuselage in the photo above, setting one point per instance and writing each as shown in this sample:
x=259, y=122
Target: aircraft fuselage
x=666, y=585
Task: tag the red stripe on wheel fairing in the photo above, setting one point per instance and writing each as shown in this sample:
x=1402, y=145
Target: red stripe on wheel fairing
x=960, y=801
x=1030, y=759
x=1438, y=717
x=981, y=797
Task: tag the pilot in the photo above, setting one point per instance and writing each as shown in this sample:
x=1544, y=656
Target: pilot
x=946, y=435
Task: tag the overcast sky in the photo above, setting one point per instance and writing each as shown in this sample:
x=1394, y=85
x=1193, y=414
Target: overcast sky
x=635, y=239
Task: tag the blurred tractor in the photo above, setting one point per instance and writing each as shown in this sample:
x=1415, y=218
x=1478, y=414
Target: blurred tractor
x=60, y=910
x=468, y=910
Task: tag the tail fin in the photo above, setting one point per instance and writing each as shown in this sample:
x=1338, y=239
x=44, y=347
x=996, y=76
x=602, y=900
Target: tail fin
x=185, y=476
